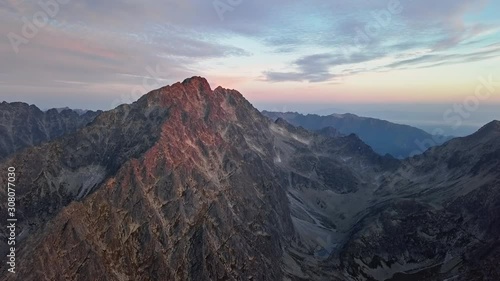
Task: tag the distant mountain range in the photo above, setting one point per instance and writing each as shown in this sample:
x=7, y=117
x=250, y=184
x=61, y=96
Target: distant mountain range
x=384, y=137
x=194, y=183
x=78, y=111
x=23, y=125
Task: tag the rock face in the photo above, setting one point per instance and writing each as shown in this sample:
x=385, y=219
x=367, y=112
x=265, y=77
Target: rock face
x=23, y=125
x=190, y=183
x=330, y=132
x=167, y=188
x=440, y=219
x=384, y=137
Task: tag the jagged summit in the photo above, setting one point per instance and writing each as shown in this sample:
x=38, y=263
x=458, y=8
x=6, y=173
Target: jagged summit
x=23, y=125
x=492, y=126
x=345, y=115
x=488, y=131
x=197, y=81
x=283, y=122
x=193, y=94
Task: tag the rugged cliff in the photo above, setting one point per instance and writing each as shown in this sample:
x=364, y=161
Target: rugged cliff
x=190, y=183
x=23, y=125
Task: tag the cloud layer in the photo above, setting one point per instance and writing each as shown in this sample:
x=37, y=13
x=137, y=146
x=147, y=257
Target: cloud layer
x=108, y=50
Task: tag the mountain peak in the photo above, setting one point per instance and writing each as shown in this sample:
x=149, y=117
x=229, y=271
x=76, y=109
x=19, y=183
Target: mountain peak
x=493, y=125
x=197, y=81
x=490, y=128
x=190, y=93
x=345, y=115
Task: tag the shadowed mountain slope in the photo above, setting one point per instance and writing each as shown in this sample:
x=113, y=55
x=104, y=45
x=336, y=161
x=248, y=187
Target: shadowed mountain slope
x=384, y=137
x=23, y=125
x=190, y=183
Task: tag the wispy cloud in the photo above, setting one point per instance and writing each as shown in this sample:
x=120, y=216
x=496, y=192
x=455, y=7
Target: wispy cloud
x=90, y=44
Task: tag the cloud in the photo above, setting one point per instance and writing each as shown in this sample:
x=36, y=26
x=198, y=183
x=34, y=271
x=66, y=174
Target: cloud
x=431, y=60
x=314, y=68
x=436, y=26
x=106, y=48
x=95, y=56
x=317, y=67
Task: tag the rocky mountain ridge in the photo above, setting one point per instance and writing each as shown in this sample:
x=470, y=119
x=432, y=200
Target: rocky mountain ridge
x=23, y=125
x=384, y=137
x=190, y=183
